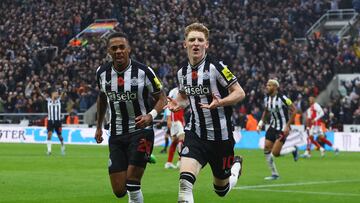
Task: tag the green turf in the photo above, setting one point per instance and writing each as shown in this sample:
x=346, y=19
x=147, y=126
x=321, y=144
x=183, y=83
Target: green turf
x=28, y=175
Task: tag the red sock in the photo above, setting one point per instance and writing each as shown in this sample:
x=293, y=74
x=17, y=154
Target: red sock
x=324, y=140
x=315, y=143
x=172, y=150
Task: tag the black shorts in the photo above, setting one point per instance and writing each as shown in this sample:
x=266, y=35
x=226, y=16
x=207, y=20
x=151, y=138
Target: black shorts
x=54, y=125
x=272, y=134
x=130, y=149
x=219, y=154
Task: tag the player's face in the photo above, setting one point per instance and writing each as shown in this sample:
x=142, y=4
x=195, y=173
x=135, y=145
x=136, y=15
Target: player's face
x=196, y=45
x=270, y=88
x=119, y=50
x=311, y=100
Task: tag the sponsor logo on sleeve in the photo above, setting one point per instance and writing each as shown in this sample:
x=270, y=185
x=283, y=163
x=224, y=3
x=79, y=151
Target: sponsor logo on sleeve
x=227, y=73
x=157, y=83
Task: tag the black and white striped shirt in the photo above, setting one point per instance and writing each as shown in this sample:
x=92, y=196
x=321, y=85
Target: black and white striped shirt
x=199, y=83
x=127, y=93
x=278, y=108
x=54, y=109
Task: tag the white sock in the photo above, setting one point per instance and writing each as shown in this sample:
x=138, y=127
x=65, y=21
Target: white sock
x=271, y=163
x=62, y=147
x=185, y=192
x=234, y=174
x=48, y=143
x=135, y=196
x=287, y=150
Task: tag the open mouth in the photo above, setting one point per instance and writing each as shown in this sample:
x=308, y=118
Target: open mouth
x=196, y=51
x=118, y=58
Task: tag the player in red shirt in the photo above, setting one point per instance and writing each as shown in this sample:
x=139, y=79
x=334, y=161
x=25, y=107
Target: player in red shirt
x=313, y=120
x=176, y=131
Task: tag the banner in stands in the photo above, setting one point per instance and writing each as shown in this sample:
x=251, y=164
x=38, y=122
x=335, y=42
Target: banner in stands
x=70, y=135
x=244, y=139
x=352, y=128
x=39, y=135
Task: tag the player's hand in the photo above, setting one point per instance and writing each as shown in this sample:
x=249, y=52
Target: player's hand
x=98, y=135
x=258, y=129
x=214, y=104
x=287, y=130
x=172, y=105
x=143, y=121
x=259, y=126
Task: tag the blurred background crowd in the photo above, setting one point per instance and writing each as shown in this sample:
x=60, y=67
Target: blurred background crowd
x=256, y=38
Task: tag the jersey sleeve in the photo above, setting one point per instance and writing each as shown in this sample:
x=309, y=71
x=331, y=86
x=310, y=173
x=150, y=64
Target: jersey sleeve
x=319, y=111
x=286, y=100
x=152, y=82
x=98, y=79
x=225, y=77
x=180, y=81
x=266, y=103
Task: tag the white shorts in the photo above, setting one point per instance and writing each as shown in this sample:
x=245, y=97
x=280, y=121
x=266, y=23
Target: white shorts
x=177, y=129
x=316, y=130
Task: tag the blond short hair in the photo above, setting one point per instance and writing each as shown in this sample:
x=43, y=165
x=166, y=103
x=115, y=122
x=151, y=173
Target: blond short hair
x=197, y=27
x=275, y=82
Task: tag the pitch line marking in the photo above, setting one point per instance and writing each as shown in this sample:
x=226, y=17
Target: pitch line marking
x=294, y=184
x=306, y=192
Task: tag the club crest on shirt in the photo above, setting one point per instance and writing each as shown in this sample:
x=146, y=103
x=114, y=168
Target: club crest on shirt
x=134, y=81
x=206, y=75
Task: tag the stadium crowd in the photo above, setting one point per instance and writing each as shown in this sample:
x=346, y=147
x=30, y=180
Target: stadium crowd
x=256, y=38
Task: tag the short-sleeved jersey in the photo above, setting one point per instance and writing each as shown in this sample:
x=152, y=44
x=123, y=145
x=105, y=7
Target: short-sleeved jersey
x=179, y=115
x=315, y=112
x=278, y=106
x=127, y=93
x=199, y=82
x=54, y=109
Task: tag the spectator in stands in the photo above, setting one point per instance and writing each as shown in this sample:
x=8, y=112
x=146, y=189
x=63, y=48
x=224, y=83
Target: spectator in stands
x=72, y=118
x=251, y=123
x=257, y=40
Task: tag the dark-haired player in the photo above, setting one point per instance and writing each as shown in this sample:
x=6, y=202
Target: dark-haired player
x=125, y=86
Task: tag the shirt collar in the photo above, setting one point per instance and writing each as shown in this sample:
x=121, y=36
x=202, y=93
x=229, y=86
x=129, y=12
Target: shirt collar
x=196, y=66
x=127, y=67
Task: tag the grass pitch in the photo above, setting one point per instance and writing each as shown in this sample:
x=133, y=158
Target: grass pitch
x=27, y=174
